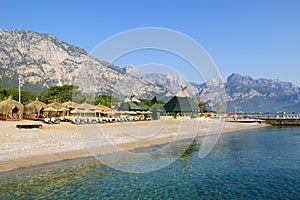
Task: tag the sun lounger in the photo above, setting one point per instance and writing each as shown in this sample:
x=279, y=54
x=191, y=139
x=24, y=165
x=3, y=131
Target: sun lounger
x=47, y=121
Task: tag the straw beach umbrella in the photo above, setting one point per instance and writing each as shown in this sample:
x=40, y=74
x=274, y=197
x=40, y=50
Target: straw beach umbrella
x=56, y=108
x=56, y=105
x=102, y=110
x=11, y=109
x=50, y=109
x=71, y=104
x=34, y=109
x=88, y=109
x=87, y=106
x=100, y=107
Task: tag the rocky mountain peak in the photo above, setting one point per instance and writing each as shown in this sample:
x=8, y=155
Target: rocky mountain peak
x=132, y=70
x=235, y=78
x=217, y=81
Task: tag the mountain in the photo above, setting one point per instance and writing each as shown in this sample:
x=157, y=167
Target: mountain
x=42, y=60
x=246, y=94
x=171, y=83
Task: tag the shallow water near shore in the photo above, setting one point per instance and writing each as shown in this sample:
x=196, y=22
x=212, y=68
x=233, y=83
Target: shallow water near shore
x=250, y=164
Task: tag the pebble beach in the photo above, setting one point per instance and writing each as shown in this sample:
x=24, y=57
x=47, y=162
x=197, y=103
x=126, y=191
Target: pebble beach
x=56, y=142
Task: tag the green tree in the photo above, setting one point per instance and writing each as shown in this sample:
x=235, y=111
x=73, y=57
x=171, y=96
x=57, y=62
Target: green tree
x=61, y=94
x=104, y=100
x=202, y=106
x=147, y=102
x=161, y=102
x=219, y=108
x=26, y=96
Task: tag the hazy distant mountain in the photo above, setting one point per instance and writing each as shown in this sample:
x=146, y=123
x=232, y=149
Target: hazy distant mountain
x=247, y=94
x=171, y=83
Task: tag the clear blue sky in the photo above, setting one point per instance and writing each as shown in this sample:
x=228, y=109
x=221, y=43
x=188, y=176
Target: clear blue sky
x=256, y=37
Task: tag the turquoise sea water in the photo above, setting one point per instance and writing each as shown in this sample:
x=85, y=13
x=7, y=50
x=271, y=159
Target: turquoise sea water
x=252, y=164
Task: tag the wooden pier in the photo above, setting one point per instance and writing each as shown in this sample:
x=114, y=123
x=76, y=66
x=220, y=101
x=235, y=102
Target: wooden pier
x=282, y=121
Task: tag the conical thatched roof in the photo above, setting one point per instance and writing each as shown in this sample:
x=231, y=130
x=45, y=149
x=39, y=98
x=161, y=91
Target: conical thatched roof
x=56, y=105
x=126, y=100
x=50, y=109
x=133, y=106
x=134, y=99
x=87, y=106
x=76, y=111
x=34, y=107
x=71, y=104
x=182, y=93
x=181, y=103
x=100, y=107
x=10, y=105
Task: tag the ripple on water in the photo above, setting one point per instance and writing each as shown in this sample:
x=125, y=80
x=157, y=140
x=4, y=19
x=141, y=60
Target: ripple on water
x=250, y=164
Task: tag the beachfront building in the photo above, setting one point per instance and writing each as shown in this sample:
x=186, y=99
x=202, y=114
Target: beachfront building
x=181, y=105
x=11, y=110
x=34, y=110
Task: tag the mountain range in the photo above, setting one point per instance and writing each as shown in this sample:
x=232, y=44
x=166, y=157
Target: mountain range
x=42, y=60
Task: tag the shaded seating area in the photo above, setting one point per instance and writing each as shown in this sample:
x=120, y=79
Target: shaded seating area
x=103, y=111
x=11, y=110
x=54, y=113
x=35, y=110
x=134, y=110
x=86, y=113
x=70, y=105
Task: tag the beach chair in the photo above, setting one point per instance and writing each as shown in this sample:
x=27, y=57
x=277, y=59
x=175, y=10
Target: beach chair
x=47, y=121
x=94, y=120
x=54, y=121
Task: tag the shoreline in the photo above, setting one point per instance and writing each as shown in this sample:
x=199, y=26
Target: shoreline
x=65, y=141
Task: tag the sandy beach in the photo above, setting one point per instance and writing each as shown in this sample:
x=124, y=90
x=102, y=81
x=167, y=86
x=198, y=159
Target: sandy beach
x=56, y=142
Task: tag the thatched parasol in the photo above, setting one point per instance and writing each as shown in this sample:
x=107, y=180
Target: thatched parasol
x=55, y=108
x=102, y=108
x=71, y=105
x=34, y=108
x=56, y=105
x=50, y=109
x=11, y=109
x=87, y=106
x=77, y=111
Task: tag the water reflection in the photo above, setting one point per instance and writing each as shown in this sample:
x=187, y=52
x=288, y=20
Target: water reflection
x=252, y=164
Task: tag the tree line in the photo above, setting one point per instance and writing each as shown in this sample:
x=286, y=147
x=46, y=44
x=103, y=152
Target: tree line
x=56, y=93
x=62, y=94
x=71, y=92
